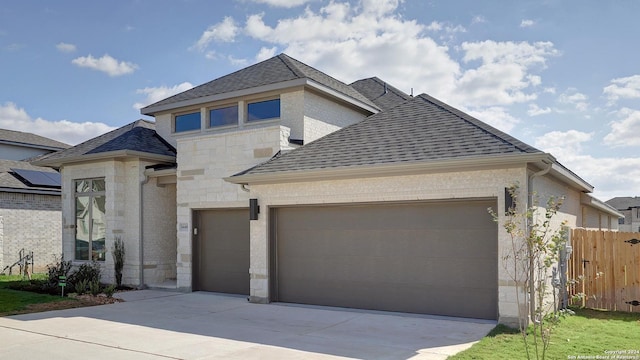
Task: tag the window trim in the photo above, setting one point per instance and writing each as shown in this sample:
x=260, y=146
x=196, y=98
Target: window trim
x=188, y=112
x=222, y=106
x=91, y=195
x=258, y=100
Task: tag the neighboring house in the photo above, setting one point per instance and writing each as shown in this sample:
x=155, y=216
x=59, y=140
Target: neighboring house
x=361, y=195
x=629, y=207
x=30, y=206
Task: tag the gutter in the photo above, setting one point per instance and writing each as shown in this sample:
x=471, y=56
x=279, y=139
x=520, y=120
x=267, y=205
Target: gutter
x=532, y=300
x=109, y=155
x=391, y=169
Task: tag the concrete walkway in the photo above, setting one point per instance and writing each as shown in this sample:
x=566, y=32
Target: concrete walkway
x=154, y=324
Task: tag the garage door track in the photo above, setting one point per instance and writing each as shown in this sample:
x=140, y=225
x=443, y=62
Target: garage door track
x=153, y=324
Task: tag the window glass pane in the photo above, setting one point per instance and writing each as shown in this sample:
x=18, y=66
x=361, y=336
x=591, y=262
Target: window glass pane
x=82, y=228
x=97, y=185
x=223, y=116
x=82, y=185
x=263, y=110
x=188, y=122
x=98, y=229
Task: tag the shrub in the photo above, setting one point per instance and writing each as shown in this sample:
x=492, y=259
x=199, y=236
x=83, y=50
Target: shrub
x=117, y=251
x=95, y=288
x=109, y=290
x=81, y=286
x=54, y=271
x=88, y=272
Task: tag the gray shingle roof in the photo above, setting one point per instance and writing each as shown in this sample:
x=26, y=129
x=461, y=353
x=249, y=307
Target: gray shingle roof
x=277, y=69
x=10, y=181
x=19, y=137
x=140, y=136
x=421, y=129
x=380, y=93
x=624, y=202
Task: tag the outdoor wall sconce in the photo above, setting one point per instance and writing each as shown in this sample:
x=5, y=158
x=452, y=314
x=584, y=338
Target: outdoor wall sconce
x=509, y=201
x=254, y=209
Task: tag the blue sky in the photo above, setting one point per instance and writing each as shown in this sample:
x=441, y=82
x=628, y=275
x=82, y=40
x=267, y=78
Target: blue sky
x=563, y=76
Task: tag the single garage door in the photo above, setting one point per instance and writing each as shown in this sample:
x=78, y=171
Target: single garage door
x=430, y=258
x=221, y=251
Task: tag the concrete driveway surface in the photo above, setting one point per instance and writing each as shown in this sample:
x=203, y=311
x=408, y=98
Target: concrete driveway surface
x=154, y=324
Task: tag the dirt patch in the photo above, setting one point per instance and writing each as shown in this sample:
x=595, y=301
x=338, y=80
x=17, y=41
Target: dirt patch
x=76, y=301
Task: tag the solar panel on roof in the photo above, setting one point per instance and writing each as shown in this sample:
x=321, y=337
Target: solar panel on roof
x=38, y=178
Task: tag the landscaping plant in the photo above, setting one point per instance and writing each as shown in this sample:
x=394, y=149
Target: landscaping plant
x=117, y=250
x=535, y=245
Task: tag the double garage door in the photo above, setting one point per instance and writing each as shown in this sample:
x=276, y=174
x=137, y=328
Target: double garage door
x=429, y=258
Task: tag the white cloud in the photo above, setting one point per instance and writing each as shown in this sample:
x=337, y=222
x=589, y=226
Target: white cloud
x=535, y=110
x=266, y=53
x=224, y=31
x=155, y=94
x=626, y=88
x=282, y=3
x=15, y=118
x=65, y=48
x=625, y=132
x=575, y=99
x=527, y=23
x=563, y=145
x=478, y=19
x=352, y=42
x=106, y=64
x=503, y=77
x=495, y=116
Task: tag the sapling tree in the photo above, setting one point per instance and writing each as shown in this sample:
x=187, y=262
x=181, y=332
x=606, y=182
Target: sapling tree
x=535, y=242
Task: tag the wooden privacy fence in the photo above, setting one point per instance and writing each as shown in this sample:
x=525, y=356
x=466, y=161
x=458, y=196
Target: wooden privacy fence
x=605, y=266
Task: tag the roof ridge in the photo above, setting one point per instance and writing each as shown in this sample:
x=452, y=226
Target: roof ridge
x=478, y=123
x=286, y=60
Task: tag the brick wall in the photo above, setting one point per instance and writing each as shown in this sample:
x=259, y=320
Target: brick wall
x=32, y=222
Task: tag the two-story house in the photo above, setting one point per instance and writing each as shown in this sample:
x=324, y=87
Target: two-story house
x=30, y=207
x=282, y=183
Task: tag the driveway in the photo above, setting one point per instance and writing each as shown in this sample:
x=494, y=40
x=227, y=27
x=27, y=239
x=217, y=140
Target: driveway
x=153, y=324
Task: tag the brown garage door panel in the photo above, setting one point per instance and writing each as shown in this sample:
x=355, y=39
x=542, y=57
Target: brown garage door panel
x=434, y=258
x=223, y=251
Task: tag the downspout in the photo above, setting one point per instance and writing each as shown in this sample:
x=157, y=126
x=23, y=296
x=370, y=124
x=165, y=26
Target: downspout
x=532, y=299
x=141, y=231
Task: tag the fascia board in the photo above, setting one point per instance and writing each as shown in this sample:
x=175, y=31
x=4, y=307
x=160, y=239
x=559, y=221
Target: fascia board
x=151, y=110
x=31, y=191
x=572, y=179
x=396, y=169
x=110, y=155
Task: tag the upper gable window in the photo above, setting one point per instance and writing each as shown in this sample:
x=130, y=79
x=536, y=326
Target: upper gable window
x=263, y=110
x=223, y=116
x=187, y=122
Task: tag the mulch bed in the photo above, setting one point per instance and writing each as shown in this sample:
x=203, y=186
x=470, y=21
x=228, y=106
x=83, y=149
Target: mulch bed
x=76, y=301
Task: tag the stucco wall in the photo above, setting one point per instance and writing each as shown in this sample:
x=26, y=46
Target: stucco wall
x=32, y=222
x=454, y=185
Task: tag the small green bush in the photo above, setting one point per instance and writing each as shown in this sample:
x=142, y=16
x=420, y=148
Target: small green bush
x=89, y=272
x=81, y=286
x=109, y=290
x=60, y=267
x=95, y=288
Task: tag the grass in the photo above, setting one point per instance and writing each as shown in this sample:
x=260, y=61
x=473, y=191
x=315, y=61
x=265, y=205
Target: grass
x=14, y=301
x=587, y=334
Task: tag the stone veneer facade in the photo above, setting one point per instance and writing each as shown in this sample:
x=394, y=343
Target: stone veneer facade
x=123, y=181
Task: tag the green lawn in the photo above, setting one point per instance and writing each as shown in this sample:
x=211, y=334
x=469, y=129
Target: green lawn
x=587, y=334
x=14, y=301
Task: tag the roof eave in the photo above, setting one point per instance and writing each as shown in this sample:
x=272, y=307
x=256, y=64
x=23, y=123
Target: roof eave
x=600, y=205
x=394, y=169
x=151, y=110
x=570, y=178
x=30, y=145
x=55, y=192
x=109, y=155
